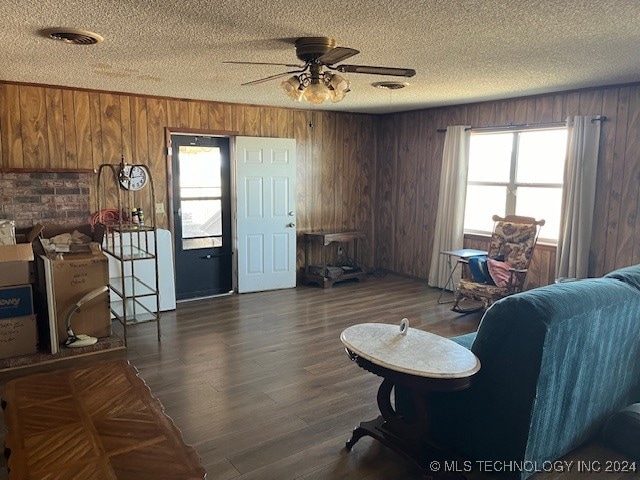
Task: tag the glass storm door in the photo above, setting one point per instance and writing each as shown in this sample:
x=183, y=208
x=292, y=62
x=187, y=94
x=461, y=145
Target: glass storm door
x=202, y=215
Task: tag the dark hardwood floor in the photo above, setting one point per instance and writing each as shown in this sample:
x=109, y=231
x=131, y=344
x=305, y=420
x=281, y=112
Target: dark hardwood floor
x=260, y=385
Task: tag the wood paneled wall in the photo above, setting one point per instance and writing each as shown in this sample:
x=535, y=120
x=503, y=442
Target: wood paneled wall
x=379, y=174
x=49, y=127
x=409, y=158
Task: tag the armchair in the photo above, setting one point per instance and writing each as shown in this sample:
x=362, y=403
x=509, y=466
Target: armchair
x=513, y=241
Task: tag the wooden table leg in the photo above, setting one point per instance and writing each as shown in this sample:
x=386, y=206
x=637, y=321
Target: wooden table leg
x=403, y=437
x=393, y=423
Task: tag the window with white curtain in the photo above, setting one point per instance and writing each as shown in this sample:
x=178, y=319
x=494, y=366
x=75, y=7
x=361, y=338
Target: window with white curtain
x=516, y=173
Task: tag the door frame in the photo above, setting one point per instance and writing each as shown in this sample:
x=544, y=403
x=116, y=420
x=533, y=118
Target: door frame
x=234, y=213
x=168, y=131
x=233, y=154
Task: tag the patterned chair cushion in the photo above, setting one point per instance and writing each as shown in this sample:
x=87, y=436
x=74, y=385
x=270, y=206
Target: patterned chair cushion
x=471, y=289
x=515, y=241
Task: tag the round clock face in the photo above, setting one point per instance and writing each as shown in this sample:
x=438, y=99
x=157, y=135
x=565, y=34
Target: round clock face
x=133, y=177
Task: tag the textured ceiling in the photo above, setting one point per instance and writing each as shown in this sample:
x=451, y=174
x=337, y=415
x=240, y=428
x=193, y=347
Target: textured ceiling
x=463, y=51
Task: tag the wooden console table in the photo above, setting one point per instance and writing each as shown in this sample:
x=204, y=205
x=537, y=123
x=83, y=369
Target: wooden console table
x=324, y=239
x=100, y=421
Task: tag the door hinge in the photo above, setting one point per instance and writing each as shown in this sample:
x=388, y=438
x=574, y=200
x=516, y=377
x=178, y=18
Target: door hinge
x=169, y=151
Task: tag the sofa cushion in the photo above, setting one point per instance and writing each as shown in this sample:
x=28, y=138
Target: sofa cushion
x=629, y=275
x=465, y=340
x=622, y=431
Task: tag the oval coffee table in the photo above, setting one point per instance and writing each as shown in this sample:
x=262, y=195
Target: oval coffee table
x=420, y=361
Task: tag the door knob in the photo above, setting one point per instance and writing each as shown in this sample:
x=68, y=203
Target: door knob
x=292, y=213
x=291, y=225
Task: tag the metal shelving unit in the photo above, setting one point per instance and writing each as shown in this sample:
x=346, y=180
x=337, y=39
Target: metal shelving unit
x=129, y=243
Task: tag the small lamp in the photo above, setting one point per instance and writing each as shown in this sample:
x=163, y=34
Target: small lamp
x=82, y=340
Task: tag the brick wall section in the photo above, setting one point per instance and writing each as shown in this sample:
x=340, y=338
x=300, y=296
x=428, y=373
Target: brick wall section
x=62, y=198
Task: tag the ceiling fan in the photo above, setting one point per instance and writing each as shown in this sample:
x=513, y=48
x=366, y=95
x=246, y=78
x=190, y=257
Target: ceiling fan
x=311, y=81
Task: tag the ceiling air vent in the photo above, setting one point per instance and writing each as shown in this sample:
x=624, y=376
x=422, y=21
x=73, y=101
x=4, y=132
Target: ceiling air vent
x=390, y=85
x=73, y=36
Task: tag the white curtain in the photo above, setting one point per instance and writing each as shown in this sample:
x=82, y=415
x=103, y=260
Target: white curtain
x=449, y=228
x=578, y=196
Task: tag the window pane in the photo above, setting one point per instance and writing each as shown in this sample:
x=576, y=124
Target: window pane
x=541, y=156
x=490, y=157
x=193, y=192
x=195, y=243
x=483, y=202
x=541, y=203
x=199, y=166
x=201, y=218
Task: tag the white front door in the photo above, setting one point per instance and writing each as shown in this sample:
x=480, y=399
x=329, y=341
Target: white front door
x=265, y=178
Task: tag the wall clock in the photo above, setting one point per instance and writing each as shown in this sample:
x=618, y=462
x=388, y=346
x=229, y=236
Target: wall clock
x=133, y=177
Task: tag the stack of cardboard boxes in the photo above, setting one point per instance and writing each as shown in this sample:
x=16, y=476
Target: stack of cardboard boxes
x=59, y=283
x=18, y=332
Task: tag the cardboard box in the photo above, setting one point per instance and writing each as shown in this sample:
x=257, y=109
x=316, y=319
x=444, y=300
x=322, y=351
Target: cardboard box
x=18, y=336
x=72, y=277
x=54, y=239
x=61, y=282
x=16, y=301
x=15, y=267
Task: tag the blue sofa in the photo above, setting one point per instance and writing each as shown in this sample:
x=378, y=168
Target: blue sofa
x=557, y=361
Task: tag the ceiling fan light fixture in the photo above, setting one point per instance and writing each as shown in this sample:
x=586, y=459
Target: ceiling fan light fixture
x=313, y=82
x=325, y=86
x=317, y=92
x=339, y=87
x=292, y=87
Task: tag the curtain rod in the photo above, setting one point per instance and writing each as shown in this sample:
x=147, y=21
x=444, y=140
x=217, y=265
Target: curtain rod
x=599, y=118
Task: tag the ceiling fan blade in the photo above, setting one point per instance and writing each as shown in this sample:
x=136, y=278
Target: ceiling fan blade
x=272, y=77
x=397, y=72
x=337, y=54
x=266, y=63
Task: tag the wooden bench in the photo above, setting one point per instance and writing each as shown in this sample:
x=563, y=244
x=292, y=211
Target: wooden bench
x=100, y=421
